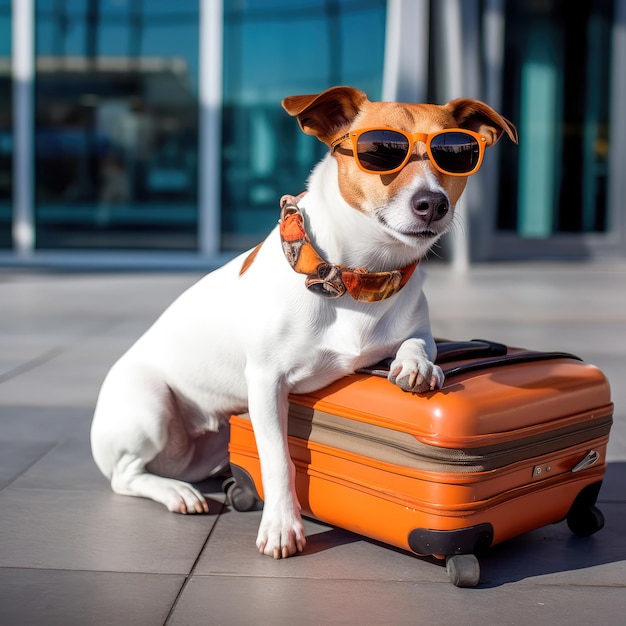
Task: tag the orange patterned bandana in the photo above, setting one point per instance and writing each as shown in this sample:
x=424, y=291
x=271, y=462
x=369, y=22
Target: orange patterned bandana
x=328, y=279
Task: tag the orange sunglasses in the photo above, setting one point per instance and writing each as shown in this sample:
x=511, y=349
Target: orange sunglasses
x=453, y=151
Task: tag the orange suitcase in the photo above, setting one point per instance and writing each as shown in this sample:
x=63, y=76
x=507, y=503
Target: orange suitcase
x=513, y=441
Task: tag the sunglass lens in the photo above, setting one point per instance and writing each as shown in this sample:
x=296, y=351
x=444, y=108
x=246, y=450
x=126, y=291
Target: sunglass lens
x=381, y=150
x=456, y=153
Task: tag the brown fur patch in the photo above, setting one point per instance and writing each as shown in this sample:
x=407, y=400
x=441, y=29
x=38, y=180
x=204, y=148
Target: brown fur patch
x=249, y=260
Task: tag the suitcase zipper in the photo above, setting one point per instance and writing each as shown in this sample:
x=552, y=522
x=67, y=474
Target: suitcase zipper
x=316, y=428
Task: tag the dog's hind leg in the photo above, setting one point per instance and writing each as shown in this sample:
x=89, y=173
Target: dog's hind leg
x=135, y=433
x=130, y=478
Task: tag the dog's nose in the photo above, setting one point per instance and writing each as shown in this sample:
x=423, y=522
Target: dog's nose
x=430, y=206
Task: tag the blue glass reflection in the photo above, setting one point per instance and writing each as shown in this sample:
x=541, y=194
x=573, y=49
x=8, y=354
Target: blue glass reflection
x=116, y=123
x=273, y=49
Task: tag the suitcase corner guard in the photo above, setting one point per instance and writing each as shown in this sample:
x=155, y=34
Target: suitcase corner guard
x=460, y=541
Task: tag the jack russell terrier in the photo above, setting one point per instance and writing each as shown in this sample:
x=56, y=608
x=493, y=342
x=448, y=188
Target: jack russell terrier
x=335, y=286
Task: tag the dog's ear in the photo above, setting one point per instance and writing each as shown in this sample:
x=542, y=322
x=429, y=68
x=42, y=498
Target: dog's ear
x=326, y=114
x=481, y=118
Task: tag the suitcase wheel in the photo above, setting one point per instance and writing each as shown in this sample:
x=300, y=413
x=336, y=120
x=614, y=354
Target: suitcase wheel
x=585, y=522
x=463, y=570
x=237, y=497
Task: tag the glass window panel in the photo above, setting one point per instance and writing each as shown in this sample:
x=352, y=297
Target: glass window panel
x=6, y=125
x=557, y=82
x=116, y=124
x=274, y=49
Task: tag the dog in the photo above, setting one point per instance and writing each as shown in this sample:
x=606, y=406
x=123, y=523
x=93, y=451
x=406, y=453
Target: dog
x=336, y=286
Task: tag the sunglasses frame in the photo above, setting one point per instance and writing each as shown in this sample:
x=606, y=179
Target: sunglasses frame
x=412, y=138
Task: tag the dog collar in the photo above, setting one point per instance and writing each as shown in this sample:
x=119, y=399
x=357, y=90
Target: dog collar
x=328, y=279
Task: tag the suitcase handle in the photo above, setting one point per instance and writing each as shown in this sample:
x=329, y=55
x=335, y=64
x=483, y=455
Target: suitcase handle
x=461, y=350
x=507, y=359
x=447, y=351
x=489, y=353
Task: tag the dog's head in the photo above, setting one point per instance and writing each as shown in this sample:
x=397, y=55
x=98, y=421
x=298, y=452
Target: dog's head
x=408, y=181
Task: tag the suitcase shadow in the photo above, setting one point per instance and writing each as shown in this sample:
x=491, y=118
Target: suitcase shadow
x=329, y=539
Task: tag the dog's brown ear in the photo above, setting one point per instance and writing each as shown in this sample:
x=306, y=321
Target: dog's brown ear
x=481, y=118
x=326, y=114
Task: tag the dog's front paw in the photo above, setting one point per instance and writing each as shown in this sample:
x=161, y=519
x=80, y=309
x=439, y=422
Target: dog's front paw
x=417, y=376
x=280, y=536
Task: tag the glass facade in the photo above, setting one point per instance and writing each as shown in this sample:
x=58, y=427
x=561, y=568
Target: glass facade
x=6, y=126
x=116, y=114
x=274, y=49
x=116, y=101
x=129, y=98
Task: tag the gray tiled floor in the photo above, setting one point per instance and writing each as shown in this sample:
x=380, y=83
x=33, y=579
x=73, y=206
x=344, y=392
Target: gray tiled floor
x=72, y=552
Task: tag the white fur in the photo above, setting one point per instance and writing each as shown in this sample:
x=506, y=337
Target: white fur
x=231, y=344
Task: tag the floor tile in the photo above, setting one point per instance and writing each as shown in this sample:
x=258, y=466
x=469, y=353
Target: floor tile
x=17, y=456
x=31, y=597
x=98, y=531
x=54, y=385
x=40, y=423
x=232, y=551
x=69, y=466
x=286, y=601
